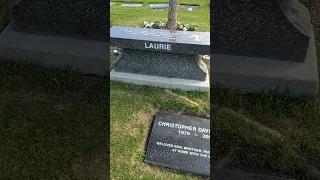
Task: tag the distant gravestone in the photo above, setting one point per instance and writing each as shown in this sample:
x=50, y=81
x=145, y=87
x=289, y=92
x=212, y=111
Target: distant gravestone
x=131, y=5
x=162, y=58
x=59, y=34
x=267, y=45
x=162, y=6
x=159, y=6
x=187, y=6
x=180, y=142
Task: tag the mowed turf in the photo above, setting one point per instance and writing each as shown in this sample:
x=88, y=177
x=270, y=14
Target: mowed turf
x=53, y=123
x=132, y=107
x=4, y=14
x=131, y=111
x=238, y=146
x=135, y=16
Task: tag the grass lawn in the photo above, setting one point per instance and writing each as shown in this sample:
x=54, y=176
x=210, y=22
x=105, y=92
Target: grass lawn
x=131, y=111
x=132, y=107
x=4, y=14
x=125, y=16
x=53, y=123
x=238, y=146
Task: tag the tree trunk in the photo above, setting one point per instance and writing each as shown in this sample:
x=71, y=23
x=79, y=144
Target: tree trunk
x=172, y=14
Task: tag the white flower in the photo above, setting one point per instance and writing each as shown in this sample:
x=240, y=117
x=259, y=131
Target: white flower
x=207, y=57
x=189, y=9
x=145, y=22
x=115, y=51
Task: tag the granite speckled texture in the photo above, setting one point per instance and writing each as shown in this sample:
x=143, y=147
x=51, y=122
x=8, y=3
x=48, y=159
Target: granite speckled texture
x=164, y=64
x=271, y=29
x=75, y=18
x=186, y=151
x=142, y=53
x=251, y=75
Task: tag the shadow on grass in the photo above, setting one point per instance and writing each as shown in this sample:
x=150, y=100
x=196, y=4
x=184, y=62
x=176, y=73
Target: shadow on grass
x=53, y=123
x=238, y=146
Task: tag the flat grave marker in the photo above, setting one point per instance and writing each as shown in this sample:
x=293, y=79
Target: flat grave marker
x=180, y=142
x=159, y=6
x=163, y=58
x=131, y=5
x=187, y=6
x=163, y=6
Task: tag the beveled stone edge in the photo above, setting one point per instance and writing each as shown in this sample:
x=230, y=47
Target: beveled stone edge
x=161, y=82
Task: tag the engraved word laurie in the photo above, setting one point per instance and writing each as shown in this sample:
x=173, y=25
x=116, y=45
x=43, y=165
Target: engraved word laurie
x=157, y=46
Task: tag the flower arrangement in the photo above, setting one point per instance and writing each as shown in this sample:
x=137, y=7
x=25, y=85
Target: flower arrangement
x=160, y=25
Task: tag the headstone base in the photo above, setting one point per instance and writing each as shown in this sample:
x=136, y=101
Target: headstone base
x=164, y=64
x=163, y=82
x=250, y=75
x=86, y=56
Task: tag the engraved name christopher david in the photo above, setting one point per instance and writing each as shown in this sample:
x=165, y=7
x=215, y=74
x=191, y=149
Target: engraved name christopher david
x=157, y=46
x=187, y=130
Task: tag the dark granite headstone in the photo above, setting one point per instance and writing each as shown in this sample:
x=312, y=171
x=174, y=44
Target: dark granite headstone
x=180, y=142
x=158, y=52
x=271, y=29
x=186, y=42
x=74, y=18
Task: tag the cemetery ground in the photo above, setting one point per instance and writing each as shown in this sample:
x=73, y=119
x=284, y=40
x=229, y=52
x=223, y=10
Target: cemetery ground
x=53, y=123
x=267, y=133
x=131, y=111
x=4, y=14
x=286, y=140
x=135, y=16
x=132, y=107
